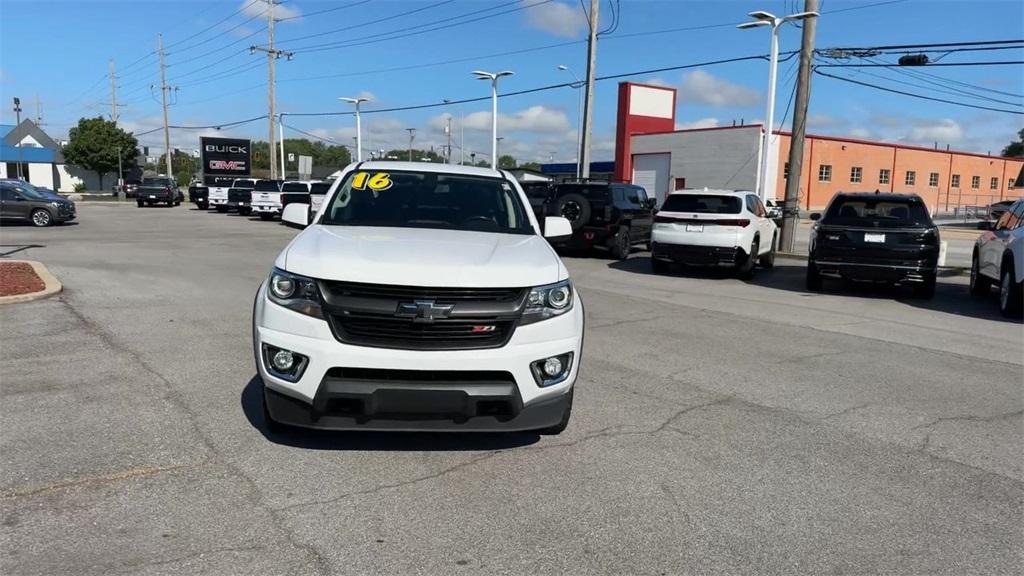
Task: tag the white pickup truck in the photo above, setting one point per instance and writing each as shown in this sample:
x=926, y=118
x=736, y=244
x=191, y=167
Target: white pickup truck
x=267, y=203
x=218, y=195
x=420, y=297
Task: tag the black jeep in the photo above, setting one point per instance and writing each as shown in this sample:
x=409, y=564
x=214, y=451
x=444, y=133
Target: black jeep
x=604, y=215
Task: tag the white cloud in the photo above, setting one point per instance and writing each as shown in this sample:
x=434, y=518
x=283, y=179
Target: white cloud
x=822, y=121
x=259, y=8
x=559, y=19
x=658, y=82
x=945, y=131
x=537, y=119
x=701, y=123
x=700, y=87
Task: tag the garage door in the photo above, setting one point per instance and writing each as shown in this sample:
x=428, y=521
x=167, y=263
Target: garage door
x=651, y=172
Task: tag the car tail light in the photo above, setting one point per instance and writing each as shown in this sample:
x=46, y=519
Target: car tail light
x=741, y=222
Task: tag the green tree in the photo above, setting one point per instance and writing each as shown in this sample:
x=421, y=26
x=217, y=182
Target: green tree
x=183, y=164
x=506, y=162
x=1015, y=149
x=94, y=143
x=531, y=166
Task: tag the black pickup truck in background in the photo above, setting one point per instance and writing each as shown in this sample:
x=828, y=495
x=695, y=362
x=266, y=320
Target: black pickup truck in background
x=199, y=194
x=158, y=190
x=240, y=196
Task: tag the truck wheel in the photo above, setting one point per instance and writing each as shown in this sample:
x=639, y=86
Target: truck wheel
x=980, y=285
x=222, y=209
x=621, y=244
x=575, y=208
x=266, y=216
x=202, y=205
x=140, y=203
x=244, y=211
x=813, y=278
x=41, y=218
x=563, y=423
x=1009, y=293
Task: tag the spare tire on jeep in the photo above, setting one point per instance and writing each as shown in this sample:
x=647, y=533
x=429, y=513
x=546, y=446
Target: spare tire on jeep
x=575, y=208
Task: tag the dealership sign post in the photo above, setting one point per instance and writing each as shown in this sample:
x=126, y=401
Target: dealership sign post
x=226, y=156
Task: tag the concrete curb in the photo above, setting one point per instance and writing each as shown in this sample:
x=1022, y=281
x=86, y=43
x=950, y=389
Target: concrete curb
x=51, y=285
x=945, y=271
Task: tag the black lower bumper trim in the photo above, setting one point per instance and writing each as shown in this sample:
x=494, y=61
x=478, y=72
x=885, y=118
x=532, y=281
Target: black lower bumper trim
x=876, y=272
x=697, y=255
x=436, y=410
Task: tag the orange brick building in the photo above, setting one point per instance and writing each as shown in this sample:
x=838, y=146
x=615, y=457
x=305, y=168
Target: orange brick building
x=944, y=179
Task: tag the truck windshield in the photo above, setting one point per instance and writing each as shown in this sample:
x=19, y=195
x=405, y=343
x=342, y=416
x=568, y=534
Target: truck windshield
x=881, y=213
x=154, y=182
x=427, y=200
x=243, y=184
x=320, y=187
x=268, y=186
x=702, y=204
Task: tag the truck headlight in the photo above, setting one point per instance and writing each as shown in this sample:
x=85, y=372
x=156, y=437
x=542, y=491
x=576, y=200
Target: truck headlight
x=547, y=301
x=294, y=292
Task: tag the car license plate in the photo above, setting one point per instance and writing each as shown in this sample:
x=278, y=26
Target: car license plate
x=152, y=196
x=694, y=227
x=876, y=238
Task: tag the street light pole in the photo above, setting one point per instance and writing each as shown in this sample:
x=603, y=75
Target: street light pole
x=359, y=128
x=17, y=114
x=762, y=18
x=578, y=85
x=412, y=136
x=493, y=77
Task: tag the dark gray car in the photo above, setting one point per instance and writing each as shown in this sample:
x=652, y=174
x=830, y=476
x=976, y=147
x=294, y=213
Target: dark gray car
x=21, y=202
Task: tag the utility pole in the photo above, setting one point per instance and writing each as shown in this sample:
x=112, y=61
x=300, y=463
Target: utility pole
x=588, y=108
x=272, y=55
x=412, y=135
x=113, y=92
x=163, y=101
x=17, y=122
x=448, y=132
x=791, y=208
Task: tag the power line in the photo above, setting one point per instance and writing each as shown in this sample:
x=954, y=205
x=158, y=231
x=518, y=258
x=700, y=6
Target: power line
x=366, y=22
x=352, y=5
x=935, y=45
x=214, y=25
x=886, y=65
x=936, y=87
x=911, y=94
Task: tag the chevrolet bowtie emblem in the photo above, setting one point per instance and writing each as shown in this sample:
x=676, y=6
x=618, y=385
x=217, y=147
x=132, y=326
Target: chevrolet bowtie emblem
x=423, y=311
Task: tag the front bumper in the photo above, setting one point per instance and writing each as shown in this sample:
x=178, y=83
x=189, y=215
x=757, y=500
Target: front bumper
x=346, y=387
x=218, y=201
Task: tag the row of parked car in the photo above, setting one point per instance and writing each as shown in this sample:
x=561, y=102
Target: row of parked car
x=860, y=237
x=264, y=197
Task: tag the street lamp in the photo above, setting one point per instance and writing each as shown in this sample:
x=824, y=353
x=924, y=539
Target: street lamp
x=359, y=136
x=493, y=77
x=762, y=18
x=578, y=85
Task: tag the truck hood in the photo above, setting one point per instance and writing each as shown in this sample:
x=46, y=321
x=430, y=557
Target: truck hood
x=422, y=257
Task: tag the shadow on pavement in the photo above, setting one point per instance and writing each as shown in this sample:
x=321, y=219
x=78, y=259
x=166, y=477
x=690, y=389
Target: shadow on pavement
x=950, y=297
x=252, y=406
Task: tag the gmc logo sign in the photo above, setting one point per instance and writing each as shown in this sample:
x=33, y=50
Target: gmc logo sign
x=226, y=165
x=233, y=149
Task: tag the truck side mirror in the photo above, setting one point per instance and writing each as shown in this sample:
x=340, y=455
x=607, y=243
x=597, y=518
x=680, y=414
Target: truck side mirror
x=816, y=216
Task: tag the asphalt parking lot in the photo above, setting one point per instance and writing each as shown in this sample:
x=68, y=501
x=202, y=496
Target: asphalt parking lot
x=720, y=426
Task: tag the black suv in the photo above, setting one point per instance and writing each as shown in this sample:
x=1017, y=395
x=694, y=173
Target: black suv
x=875, y=238
x=604, y=215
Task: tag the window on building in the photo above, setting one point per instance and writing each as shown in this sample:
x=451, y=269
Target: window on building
x=824, y=173
x=975, y=182
x=995, y=183
x=855, y=174
x=883, y=176
x=1009, y=183
x=955, y=182
x=785, y=171
x=911, y=178
x=933, y=180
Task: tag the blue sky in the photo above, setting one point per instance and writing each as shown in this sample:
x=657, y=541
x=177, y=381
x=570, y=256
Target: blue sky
x=220, y=81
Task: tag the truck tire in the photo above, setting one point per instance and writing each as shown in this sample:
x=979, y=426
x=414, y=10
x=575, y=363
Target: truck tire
x=575, y=208
x=222, y=209
x=813, y=278
x=140, y=203
x=980, y=285
x=621, y=244
x=746, y=269
x=767, y=261
x=1010, y=292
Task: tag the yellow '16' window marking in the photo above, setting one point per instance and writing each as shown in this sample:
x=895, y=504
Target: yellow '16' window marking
x=378, y=182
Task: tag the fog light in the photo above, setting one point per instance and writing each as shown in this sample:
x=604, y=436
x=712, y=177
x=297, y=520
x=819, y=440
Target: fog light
x=283, y=361
x=553, y=370
x=552, y=367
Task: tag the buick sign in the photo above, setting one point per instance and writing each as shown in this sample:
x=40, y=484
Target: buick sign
x=226, y=156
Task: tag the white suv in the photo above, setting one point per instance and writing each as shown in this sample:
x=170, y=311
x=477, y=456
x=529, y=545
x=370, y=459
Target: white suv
x=999, y=258
x=420, y=297
x=711, y=228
